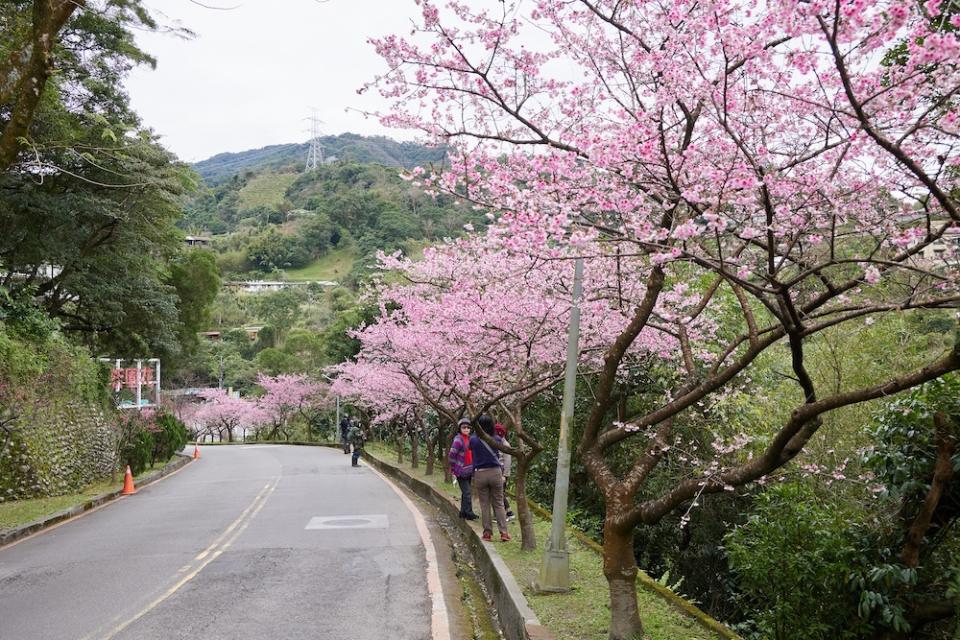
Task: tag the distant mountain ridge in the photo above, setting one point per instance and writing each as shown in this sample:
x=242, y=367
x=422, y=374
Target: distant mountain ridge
x=347, y=146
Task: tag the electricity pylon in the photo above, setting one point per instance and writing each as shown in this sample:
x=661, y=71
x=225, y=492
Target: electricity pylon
x=315, y=153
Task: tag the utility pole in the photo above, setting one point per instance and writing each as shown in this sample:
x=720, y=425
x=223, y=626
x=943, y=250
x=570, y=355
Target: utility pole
x=336, y=426
x=315, y=153
x=555, y=569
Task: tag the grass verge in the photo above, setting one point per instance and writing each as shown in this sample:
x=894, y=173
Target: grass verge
x=20, y=512
x=583, y=614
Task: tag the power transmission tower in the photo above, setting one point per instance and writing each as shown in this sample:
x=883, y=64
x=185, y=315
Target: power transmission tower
x=315, y=153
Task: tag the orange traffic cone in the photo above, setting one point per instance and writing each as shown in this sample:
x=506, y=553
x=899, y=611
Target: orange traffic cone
x=128, y=488
x=196, y=451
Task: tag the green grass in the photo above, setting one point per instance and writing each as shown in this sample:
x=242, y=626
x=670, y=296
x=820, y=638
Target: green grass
x=265, y=190
x=583, y=614
x=335, y=265
x=20, y=512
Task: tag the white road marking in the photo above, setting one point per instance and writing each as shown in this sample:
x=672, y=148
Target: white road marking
x=439, y=621
x=378, y=521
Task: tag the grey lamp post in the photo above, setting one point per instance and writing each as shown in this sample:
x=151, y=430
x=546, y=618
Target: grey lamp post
x=555, y=570
x=336, y=425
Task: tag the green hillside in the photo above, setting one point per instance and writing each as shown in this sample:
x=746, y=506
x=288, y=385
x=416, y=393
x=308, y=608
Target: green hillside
x=265, y=190
x=345, y=147
x=334, y=265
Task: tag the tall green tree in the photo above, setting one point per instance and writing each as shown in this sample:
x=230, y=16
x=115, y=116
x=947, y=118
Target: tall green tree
x=78, y=47
x=195, y=277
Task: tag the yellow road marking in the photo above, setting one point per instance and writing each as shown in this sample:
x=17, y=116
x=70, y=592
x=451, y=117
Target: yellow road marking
x=256, y=506
x=202, y=554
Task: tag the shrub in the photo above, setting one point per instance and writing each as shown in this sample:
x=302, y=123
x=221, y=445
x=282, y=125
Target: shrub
x=791, y=559
x=169, y=436
x=138, y=450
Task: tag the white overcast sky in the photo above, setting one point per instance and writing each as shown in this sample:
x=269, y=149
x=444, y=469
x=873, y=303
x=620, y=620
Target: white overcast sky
x=252, y=74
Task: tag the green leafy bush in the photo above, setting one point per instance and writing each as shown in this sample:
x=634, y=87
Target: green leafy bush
x=882, y=561
x=791, y=559
x=169, y=436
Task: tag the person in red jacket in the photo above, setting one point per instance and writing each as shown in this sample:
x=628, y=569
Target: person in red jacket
x=461, y=466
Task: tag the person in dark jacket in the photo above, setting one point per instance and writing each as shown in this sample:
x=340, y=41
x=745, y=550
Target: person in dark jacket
x=345, y=424
x=461, y=466
x=355, y=437
x=488, y=479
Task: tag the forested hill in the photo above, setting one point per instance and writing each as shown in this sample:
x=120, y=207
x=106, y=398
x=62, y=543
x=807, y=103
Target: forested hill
x=347, y=146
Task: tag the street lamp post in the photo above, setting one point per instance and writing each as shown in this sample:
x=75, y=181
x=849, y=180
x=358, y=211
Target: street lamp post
x=555, y=569
x=336, y=425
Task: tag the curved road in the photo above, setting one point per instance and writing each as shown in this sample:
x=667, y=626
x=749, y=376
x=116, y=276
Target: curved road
x=255, y=541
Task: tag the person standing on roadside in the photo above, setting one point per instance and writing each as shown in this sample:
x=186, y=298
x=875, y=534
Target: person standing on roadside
x=507, y=460
x=345, y=422
x=461, y=466
x=355, y=437
x=488, y=477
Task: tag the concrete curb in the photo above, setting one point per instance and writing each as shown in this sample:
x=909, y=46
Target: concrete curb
x=517, y=619
x=8, y=536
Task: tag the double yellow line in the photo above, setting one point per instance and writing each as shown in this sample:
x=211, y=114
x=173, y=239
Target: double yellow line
x=205, y=557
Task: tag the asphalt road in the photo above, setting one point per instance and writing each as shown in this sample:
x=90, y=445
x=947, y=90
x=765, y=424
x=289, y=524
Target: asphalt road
x=259, y=542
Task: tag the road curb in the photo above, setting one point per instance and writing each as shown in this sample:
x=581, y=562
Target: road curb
x=9, y=536
x=517, y=619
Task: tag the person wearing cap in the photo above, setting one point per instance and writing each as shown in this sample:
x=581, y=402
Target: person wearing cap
x=461, y=466
x=507, y=461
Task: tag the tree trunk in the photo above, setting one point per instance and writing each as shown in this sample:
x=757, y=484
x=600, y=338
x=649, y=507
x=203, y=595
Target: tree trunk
x=528, y=536
x=399, y=449
x=942, y=475
x=48, y=19
x=620, y=569
x=415, y=449
x=431, y=456
x=442, y=456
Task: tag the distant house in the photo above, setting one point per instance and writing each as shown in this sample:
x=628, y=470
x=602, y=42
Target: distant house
x=44, y=271
x=212, y=336
x=263, y=286
x=197, y=241
x=947, y=246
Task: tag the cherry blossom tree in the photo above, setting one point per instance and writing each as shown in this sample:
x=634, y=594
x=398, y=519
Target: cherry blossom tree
x=285, y=397
x=222, y=413
x=798, y=158
x=475, y=328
